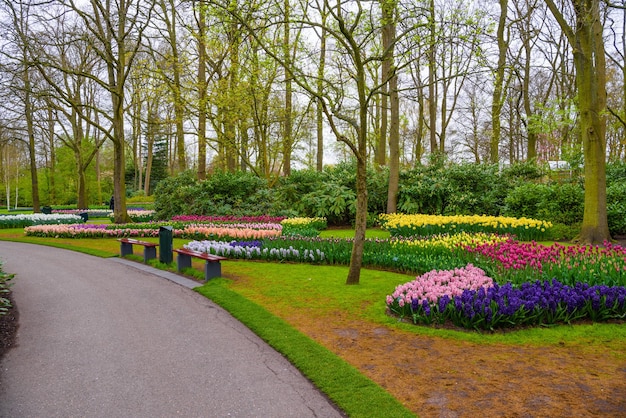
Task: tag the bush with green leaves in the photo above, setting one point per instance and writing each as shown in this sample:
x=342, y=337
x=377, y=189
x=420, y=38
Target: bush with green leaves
x=344, y=174
x=289, y=190
x=444, y=188
x=557, y=203
x=223, y=193
x=437, y=188
x=5, y=303
x=616, y=208
x=525, y=200
x=175, y=195
x=475, y=189
x=332, y=201
x=564, y=204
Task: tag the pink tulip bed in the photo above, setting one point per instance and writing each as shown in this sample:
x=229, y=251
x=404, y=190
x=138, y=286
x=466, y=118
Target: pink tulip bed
x=228, y=231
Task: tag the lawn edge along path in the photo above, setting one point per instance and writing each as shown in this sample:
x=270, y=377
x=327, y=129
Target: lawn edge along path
x=351, y=391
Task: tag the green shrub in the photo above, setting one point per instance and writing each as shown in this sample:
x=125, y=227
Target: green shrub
x=563, y=204
x=332, y=201
x=175, y=195
x=562, y=232
x=525, y=200
x=615, y=173
x=288, y=191
x=5, y=303
x=424, y=189
x=474, y=189
x=616, y=208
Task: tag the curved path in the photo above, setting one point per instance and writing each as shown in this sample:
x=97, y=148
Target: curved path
x=112, y=338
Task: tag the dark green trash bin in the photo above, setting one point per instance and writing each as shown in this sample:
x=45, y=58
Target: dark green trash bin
x=46, y=210
x=84, y=215
x=166, y=242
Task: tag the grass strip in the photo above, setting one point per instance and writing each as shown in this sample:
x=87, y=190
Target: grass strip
x=354, y=393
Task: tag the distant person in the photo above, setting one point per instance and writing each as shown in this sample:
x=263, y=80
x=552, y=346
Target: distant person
x=111, y=203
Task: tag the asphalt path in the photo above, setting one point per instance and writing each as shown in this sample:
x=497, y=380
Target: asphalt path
x=113, y=338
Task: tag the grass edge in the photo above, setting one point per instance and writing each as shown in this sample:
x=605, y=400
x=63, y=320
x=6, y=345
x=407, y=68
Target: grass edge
x=345, y=385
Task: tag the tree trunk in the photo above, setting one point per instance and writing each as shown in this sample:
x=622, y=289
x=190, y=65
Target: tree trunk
x=432, y=80
x=52, y=156
x=320, y=91
x=360, y=223
x=591, y=84
x=394, y=147
x=498, y=89
x=381, y=146
x=179, y=109
x=202, y=95
x=30, y=130
x=590, y=63
x=389, y=36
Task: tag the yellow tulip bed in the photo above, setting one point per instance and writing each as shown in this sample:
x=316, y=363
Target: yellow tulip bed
x=418, y=225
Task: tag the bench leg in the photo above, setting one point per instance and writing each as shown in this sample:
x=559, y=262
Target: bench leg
x=212, y=269
x=183, y=261
x=148, y=254
x=126, y=249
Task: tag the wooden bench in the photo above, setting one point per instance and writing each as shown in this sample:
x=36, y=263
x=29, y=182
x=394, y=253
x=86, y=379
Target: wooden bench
x=212, y=267
x=149, y=248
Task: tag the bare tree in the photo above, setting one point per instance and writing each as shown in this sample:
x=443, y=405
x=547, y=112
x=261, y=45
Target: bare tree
x=67, y=65
x=171, y=67
x=18, y=30
x=114, y=31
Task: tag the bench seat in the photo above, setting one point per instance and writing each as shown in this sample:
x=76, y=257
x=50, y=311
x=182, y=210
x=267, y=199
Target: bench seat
x=149, y=248
x=212, y=267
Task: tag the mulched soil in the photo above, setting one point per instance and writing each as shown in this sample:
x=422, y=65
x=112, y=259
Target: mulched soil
x=8, y=328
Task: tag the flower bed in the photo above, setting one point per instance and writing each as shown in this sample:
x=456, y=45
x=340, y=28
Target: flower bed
x=254, y=250
x=436, y=297
x=306, y=227
x=23, y=220
x=519, y=262
x=230, y=232
x=228, y=219
x=524, y=229
x=92, y=213
x=137, y=215
x=87, y=231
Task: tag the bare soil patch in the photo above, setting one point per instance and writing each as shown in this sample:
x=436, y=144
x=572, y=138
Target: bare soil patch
x=437, y=377
x=8, y=327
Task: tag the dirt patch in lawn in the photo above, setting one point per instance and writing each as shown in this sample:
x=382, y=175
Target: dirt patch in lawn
x=436, y=377
x=443, y=377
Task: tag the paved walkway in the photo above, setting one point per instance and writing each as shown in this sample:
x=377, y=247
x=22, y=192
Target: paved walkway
x=113, y=338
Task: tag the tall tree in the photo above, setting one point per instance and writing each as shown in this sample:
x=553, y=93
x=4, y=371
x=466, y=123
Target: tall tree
x=432, y=79
x=585, y=36
x=320, y=88
x=390, y=79
x=116, y=31
x=67, y=65
x=288, y=117
x=171, y=65
x=201, y=87
x=498, y=89
x=617, y=107
x=19, y=31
